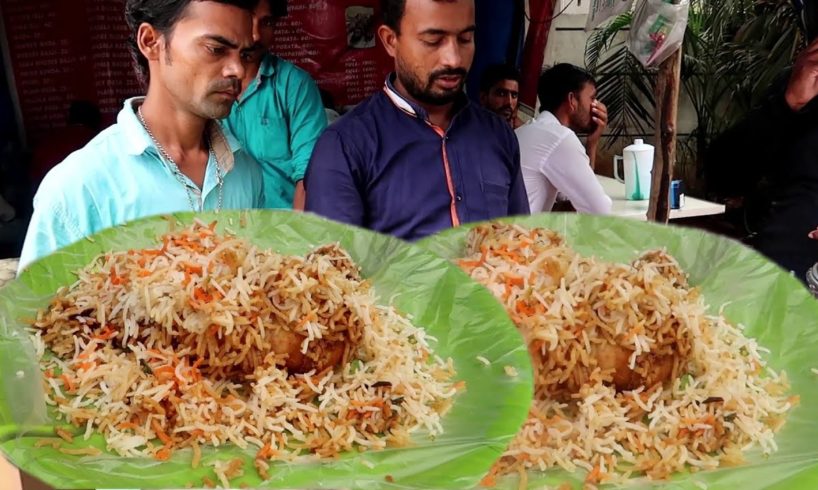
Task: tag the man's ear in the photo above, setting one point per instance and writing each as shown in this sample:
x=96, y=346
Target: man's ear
x=389, y=39
x=484, y=97
x=148, y=40
x=573, y=103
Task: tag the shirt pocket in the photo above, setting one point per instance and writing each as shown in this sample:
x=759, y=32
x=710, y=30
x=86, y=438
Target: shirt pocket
x=271, y=143
x=496, y=199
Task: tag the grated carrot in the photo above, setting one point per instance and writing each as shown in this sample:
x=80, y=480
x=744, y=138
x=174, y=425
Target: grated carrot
x=160, y=433
x=69, y=385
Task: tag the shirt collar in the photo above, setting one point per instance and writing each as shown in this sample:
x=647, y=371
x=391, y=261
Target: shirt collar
x=411, y=108
x=547, y=117
x=138, y=141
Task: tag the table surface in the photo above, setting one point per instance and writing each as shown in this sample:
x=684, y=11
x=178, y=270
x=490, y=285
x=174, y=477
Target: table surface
x=639, y=209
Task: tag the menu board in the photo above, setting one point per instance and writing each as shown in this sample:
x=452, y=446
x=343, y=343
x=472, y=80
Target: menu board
x=63, y=51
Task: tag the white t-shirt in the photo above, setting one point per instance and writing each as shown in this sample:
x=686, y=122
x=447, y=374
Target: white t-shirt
x=554, y=161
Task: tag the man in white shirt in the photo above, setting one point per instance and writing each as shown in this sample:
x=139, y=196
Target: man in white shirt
x=553, y=158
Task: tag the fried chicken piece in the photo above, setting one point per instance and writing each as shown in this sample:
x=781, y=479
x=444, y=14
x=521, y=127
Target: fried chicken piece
x=320, y=354
x=650, y=370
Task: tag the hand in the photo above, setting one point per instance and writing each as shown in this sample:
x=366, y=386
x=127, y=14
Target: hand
x=813, y=234
x=803, y=84
x=599, y=118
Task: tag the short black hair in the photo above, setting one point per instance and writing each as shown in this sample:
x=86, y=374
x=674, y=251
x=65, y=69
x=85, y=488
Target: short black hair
x=558, y=81
x=278, y=8
x=495, y=74
x=392, y=12
x=163, y=16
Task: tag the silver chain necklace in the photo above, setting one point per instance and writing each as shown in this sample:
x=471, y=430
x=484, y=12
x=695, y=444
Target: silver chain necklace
x=178, y=173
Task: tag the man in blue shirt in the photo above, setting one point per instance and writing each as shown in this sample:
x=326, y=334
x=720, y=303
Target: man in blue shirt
x=165, y=153
x=279, y=116
x=418, y=157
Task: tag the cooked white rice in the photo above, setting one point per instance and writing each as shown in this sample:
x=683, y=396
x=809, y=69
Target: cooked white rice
x=719, y=400
x=178, y=347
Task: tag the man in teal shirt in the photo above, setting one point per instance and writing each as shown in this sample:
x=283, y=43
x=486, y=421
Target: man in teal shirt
x=165, y=153
x=279, y=116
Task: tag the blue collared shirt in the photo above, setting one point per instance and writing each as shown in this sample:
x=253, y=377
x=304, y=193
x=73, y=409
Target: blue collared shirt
x=119, y=176
x=385, y=167
x=278, y=119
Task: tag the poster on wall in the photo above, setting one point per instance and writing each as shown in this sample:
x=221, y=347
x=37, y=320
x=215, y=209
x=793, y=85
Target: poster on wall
x=64, y=51
x=337, y=43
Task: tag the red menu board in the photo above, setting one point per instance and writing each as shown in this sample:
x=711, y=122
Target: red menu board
x=63, y=51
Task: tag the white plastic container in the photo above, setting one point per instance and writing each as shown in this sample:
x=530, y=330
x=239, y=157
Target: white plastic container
x=637, y=161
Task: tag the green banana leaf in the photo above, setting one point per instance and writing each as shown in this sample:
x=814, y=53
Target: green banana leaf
x=461, y=314
x=775, y=307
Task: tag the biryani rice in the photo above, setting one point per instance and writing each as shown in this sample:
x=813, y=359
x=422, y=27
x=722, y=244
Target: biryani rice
x=719, y=399
x=175, y=347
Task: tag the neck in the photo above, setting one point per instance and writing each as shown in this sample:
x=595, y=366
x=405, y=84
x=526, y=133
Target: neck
x=563, y=117
x=179, y=131
x=439, y=115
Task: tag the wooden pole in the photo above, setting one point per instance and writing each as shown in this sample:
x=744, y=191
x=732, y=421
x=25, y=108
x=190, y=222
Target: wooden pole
x=667, y=109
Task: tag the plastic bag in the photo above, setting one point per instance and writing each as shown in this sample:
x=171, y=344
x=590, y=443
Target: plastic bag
x=657, y=30
x=602, y=10
x=776, y=309
x=464, y=317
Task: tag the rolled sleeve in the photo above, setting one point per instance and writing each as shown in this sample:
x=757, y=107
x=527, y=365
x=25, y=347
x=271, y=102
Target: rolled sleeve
x=330, y=181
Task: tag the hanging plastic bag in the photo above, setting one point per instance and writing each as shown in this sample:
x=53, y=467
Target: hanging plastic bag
x=658, y=29
x=602, y=10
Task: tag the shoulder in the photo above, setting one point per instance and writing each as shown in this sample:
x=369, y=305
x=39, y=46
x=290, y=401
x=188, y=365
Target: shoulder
x=542, y=134
x=84, y=166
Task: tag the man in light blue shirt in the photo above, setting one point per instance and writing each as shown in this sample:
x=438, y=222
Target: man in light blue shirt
x=165, y=153
x=280, y=115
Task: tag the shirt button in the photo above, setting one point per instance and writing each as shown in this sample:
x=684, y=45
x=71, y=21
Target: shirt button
x=459, y=197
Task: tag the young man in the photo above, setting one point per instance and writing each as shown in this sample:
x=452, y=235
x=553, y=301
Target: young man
x=553, y=158
x=279, y=116
x=165, y=153
x=417, y=157
x=499, y=90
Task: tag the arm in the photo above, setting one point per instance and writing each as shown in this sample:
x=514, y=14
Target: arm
x=307, y=120
x=332, y=181
x=300, y=197
x=51, y=227
x=569, y=170
x=599, y=116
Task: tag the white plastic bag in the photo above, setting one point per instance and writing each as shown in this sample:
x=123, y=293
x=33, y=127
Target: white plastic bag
x=602, y=10
x=658, y=29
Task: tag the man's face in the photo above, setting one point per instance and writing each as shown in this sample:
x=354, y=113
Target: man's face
x=263, y=25
x=502, y=99
x=202, y=62
x=434, y=50
x=580, y=102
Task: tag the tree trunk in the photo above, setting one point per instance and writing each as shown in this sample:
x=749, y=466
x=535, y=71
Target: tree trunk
x=667, y=110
